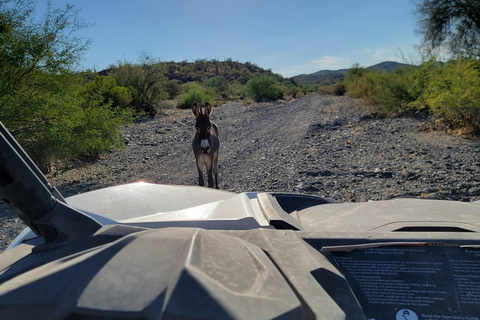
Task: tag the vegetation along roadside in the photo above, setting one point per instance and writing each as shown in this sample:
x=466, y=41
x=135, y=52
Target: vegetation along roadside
x=58, y=112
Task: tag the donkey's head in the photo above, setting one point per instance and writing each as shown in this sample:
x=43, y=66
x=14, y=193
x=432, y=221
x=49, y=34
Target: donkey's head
x=203, y=124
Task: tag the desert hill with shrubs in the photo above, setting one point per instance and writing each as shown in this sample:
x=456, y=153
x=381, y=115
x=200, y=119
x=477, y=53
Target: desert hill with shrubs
x=446, y=92
x=150, y=85
x=327, y=77
x=57, y=112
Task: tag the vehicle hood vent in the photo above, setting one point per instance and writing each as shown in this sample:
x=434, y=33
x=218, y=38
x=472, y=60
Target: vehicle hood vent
x=432, y=229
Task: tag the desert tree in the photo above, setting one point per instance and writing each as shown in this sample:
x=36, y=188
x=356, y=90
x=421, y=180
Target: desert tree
x=146, y=77
x=30, y=44
x=453, y=25
x=41, y=100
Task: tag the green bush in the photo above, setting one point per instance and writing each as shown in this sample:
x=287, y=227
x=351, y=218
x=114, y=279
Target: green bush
x=173, y=88
x=295, y=92
x=263, y=88
x=235, y=91
x=450, y=91
x=388, y=93
x=146, y=81
x=192, y=94
x=365, y=86
x=337, y=89
x=47, y=106
x=393, y=92
x=340, y=88
x=354, y=73
x=106, y=87
x=274, y=92
x=121, y=97
x=95, y=131
x=453, y=93
x=326, y=90
x=311, y=88
x=166, y=104
x=62, y=121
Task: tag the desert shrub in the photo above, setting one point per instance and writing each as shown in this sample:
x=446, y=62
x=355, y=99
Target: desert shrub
x=274, y=92
x=402, y=88
x=295, y=92
x=311, y=88
x=173, y=88
x=453, y=93
x=392, y=92
x=45, y=104
x=388, y=93
x=236, y=91
x=354, y=73
x=106, y=87
x=218, y=85
x=166, y=104
x=193, y=92
x=95, y=131
x=326, y=90
x=121, y=97
x=147, y=78
x=263, y=88
x=339, y=88
x=364, y=86
x=300, y=93
x=450, y=91
x=69, y=123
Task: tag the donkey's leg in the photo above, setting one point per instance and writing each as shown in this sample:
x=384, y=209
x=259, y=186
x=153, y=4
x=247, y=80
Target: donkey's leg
x=209, y=165
x=201, y=183
x=210, y=177
x=200, y=163
x=215, y=168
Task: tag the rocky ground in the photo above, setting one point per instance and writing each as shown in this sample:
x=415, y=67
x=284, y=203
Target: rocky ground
x=323, y=145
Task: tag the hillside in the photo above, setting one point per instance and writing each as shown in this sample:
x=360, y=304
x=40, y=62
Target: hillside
x=201, y=70
x=322, y=77
x=150, y=85
x=326, y=77
x=228, y=70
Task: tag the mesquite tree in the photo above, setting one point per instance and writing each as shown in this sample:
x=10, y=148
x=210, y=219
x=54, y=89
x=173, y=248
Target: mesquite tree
x=452, y=25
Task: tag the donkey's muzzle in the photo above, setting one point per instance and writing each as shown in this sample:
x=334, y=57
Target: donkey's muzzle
x=205, y=146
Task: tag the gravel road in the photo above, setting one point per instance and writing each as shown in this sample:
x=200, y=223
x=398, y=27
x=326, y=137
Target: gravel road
x=324, y=145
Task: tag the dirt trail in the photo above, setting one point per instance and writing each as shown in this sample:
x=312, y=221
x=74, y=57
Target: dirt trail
x=324, y=145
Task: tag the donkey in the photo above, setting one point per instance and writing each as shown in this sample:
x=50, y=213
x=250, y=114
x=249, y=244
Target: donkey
x=205, y=144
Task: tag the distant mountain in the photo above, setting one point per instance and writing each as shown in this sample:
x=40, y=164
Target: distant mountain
x=322, y=77
x=326, y=77
x=387, y=66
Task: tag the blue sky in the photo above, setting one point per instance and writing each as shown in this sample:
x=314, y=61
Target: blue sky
x=289, y=37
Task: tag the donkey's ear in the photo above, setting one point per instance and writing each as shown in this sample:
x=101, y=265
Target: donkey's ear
x=195, y=109
x=208, y=108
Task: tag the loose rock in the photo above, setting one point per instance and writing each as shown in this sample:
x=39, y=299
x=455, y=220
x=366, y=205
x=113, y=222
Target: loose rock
x=324, y=145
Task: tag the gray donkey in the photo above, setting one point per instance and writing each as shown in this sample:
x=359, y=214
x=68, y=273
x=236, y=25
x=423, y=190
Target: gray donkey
x=205, y=144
